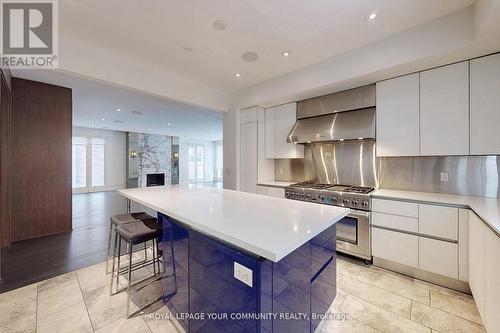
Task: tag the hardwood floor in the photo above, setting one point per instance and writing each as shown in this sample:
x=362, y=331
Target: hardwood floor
x=34, y=260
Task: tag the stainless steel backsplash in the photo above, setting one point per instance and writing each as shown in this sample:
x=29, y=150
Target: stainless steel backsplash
x=467, y=175
x=289, y=170
x=355, y=163
x=351, y=163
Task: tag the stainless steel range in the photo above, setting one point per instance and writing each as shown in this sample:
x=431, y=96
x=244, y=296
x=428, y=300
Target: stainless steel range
x=353, y=231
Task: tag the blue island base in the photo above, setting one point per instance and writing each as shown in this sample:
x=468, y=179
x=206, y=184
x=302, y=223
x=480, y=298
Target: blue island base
x=202, y=292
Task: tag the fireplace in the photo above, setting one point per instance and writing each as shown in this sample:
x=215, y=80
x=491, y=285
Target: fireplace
x=155, y=179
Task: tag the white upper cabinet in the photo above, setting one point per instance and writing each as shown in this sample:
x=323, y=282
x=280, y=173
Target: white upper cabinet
x=485, y=105
x=398, y=116
x=444, y=110
x=279, y=122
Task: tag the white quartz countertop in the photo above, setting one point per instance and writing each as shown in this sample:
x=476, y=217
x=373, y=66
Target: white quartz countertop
x=488, y=209
x=266, y=226
x=275, y=183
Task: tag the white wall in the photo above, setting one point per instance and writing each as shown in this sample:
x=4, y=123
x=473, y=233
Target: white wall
x=115, y=155
x=209, y=158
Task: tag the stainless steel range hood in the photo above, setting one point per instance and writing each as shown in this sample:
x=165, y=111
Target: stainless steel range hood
x=347, y=115
x=349, y=125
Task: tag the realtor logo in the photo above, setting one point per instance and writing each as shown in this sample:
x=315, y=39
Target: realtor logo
x=29, y=33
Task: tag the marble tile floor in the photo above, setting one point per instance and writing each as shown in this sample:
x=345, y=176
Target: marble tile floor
x=369, y=299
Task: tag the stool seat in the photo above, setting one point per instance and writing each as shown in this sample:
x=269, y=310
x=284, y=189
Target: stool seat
x=140, y=232
x=130, y=217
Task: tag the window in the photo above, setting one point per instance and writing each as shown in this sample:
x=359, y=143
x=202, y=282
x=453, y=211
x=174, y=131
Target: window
x=88, y=164
x=97, y=165
x=79, y=163
x=196, y=162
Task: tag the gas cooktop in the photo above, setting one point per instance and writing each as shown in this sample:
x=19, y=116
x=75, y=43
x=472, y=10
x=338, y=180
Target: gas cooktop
x=333, y=187
x=350, y=196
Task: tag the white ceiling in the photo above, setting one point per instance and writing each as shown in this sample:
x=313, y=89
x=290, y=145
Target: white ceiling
x=157, y=31
x=93, y=101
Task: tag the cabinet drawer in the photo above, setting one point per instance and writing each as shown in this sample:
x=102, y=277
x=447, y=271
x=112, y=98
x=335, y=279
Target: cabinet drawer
x=395, y=246
x=438, y=221
x=438, y=257
x=395, y=221
x=395, y=207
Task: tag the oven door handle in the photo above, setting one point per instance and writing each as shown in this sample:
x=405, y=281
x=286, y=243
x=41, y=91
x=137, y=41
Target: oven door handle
x=359, y=213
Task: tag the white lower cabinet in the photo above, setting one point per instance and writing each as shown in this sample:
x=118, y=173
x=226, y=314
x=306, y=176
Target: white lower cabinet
x=438, y=257
x=277, y=192
x=395, y=246
x=438, y=221
x=476, y=260
x=484, y=271
x=395, y=221
x=420, y=235
x=491, y=306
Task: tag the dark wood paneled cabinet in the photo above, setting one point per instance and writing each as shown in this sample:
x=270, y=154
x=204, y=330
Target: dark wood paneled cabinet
x=41, y=134
x=5, y=159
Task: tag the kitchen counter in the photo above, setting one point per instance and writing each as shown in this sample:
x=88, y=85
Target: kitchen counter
x=488, y=209
x=275, y=183
x=243, y=253
x=265, y=226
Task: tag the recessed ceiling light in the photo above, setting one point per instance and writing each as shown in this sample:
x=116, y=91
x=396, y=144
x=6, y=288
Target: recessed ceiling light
x=250, y=56
x=118, y=110
x=286, y=53
x=168, y=124
x=103, y=119
x=92, y=125
x=219, y=25
x=237, y=75
x=149, y=129
x=372, y=16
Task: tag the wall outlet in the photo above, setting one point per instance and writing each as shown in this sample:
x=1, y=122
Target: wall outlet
x=243, y=274
x=444, y=176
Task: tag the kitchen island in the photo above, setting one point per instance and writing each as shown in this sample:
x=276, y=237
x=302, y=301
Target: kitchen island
x=242, y=262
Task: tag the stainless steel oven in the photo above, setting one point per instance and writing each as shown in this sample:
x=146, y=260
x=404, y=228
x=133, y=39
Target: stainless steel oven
x=353, y=234
x=353, y=231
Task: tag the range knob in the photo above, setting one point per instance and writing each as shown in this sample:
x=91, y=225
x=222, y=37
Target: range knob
x=364, y=204
x=346, y=201
x=355, y=202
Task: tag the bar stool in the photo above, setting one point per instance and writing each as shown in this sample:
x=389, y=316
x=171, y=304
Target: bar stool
x=120, y=219
x=135, y=233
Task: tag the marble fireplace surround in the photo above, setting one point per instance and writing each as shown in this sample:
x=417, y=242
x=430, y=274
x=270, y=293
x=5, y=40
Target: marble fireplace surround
x=154, y=156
